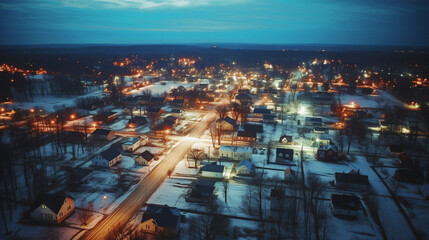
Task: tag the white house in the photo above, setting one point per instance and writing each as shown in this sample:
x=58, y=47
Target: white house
x=159, y=218
x=245, y=167
x=107, y=158
x=52, y=208
x=345, y=205
x=235, y=153
x=131, y=145
x=144, y=158
x=213, y=171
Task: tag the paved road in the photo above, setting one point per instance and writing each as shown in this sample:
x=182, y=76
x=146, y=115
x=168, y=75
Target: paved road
x=149, y=184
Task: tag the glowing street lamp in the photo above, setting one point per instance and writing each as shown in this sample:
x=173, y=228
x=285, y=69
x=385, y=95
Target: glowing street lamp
x=102, y=200
x=72, y=116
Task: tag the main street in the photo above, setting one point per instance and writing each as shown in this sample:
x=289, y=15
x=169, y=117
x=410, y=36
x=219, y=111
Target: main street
x=149, y=184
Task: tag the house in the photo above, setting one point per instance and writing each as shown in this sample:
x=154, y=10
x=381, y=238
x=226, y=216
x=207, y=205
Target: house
x=352, y=180
x=203, y=189
x=248, y=136
x=52, y=208
x=276, y=197
x=235, y=153
x=157, y=111
x=158, y=218
x=171, y=120
x=136, y=122
x=227, y=123
x=255, y=127
x=131, y=145
x=106, y=117
x=283, y=154
x=107, y=158
x=260, y=111
x=213, y=171
x=327, y=153
x=313, y=121
x=409, y=176
x=345, y=205
x=290, y=175
x=286, y=139
x=245, y=167
x=103, y=134
x=269, y=118
x=144, y=158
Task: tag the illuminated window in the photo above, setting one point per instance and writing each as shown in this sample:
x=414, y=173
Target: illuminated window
x=43, y=206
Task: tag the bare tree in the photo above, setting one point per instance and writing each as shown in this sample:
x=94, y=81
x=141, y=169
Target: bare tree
x=225, y=189
x=86, y=212
x=118, y=171
x=213, y=133
x=196, y=155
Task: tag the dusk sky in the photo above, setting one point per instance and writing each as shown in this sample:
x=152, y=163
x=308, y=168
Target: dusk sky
x=379, y=22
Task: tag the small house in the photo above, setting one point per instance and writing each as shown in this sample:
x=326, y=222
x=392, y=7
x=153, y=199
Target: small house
x=352, y=180
x=103, y=134
x=283, y=154
x=131, y=145
x=158, y=218
x=327, y=153
x=136, y=121
x=144, y=158
x=414, y=176
x=290, y=175
x=245, y=167
x=107, y=158
x=260, y=111
x=106, y=117
x=235, y=153
x=203, y=189
x=286, y=139
x=227, y=124
x=345, y=205
x=52, y=208
x=213, y=171
x=247, y=136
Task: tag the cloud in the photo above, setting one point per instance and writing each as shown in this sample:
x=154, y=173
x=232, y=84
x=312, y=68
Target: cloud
x=147, y=4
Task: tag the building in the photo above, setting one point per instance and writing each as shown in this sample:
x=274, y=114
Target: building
x=259, y=111
x=52, y=208
x=136, y=121
x=131, y=145
x=103, y=134
x=179, y=103
x=213, y=171
x=227, y=124
x=352, y=180
x=269, y=118
x=106, y=117
x=283, y=154
x=157, y=101
x=327, y=153
x=158, y=218
x=247, y=136
x=246, y=167
x=203, y=189
x=144, y=158
x=290, y=175
x=107, y=158
x=235, y=153
x=345, y=205
x=255, y=127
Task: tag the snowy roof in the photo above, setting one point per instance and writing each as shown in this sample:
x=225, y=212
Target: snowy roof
x=247, y=164
x=213, y=168
x=109, y=154
x=230, y=121
x=131, y=141
x=246, y=133
x=147, y=155
x=101, y=132
x=164, y=216
x=328, y=147
x=345, y=201
x=52, y=201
